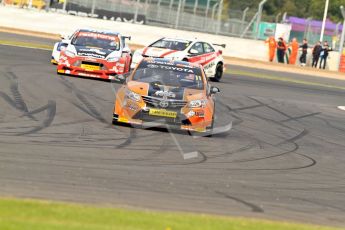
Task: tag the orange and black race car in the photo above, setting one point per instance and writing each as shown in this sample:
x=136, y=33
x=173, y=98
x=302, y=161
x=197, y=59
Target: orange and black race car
x=162, y=91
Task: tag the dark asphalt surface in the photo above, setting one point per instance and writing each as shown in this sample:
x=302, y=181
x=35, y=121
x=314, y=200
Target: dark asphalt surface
x=284, y=158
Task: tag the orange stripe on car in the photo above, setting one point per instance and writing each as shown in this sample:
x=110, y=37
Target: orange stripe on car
x=145, y=50
x=208, y=61
x=167, y=53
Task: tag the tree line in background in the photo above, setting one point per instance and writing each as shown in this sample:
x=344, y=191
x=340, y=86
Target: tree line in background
x=298, y=8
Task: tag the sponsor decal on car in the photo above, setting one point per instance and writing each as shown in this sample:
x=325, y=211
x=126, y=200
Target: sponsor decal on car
x=174, y=68
x=98, y=36
x=165, y=94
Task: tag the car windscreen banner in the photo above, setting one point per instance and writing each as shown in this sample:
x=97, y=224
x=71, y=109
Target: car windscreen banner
x=98, y=36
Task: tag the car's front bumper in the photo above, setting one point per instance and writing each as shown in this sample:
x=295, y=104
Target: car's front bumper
x=99, y=68
x=181, y=122
x=77, y=71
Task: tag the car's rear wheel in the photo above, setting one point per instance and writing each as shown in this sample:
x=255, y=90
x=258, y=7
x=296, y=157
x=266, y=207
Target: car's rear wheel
x=219, y=73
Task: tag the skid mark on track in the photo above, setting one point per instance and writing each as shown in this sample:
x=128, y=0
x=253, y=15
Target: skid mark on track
x=18, y=103
x=253, y=207
x=284, y=148
x=88, y=108
x=50, y=109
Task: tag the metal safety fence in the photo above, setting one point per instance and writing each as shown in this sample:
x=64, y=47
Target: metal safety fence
x=208, y=16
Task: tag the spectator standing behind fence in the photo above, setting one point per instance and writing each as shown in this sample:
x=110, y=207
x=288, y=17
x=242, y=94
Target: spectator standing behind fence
x=303, y=57
x=294, y=51
x=272, y=45
x=316, y=54
x=324, y=54
x=281, y=49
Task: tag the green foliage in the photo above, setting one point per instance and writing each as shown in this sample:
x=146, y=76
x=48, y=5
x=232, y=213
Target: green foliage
x=298, y=8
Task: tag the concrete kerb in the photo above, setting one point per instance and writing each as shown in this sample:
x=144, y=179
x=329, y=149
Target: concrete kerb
x=228, y=60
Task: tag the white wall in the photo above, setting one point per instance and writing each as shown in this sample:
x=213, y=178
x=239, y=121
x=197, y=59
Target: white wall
x=141, y=34
x=42, y=21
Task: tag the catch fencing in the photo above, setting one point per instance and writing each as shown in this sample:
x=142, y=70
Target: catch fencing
x=209, y=16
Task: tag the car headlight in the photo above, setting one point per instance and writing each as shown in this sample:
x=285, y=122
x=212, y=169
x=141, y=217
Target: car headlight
x=69, y=53
x=197, y=104
x=133, y=96
x=112, y=59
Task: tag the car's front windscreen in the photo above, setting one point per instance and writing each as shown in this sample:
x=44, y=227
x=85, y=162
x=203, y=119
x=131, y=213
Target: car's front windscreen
x=97, y=40
x=171, y=44
x=169, y=75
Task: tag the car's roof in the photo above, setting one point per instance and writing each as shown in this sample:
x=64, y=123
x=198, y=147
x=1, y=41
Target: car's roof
x=171, y=62
x=180, y=39
x=106, y=32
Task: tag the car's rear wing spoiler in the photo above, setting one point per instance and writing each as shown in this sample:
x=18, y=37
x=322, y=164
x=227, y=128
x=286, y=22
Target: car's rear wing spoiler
x=221, y=45
x=127, y=37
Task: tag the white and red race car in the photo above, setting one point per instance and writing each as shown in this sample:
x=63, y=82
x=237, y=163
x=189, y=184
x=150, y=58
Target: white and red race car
x=93, y=53
x=192, y=50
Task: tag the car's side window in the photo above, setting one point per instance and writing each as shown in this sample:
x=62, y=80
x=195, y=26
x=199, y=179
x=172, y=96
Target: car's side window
x=208, y=48
x=197, y=47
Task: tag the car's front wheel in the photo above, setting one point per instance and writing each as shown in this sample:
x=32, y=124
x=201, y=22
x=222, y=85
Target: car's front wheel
x=219, y=73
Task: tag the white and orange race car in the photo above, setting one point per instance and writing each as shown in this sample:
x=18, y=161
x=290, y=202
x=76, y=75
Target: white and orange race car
x=161, y=92
x=194, y=50
x=92, y=53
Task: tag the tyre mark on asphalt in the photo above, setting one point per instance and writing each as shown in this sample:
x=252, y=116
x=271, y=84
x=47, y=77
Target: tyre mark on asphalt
x=51, y=111
x=128, y=141
x=90, y=108
x=18, y=101
x=162, y=149
x=254, y=208
x=295, y=138
x=93, y=112
x=290, y=140
x=331, y=125
x=301, y=117
x=321, y=204
x=19, y=104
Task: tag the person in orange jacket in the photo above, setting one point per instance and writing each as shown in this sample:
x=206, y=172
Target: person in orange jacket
x=294, y=51
x=272, y=45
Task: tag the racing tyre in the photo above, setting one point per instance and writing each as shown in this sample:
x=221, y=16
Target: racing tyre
x=219, y=73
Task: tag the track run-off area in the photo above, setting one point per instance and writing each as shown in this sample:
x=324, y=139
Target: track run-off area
x=284, y=157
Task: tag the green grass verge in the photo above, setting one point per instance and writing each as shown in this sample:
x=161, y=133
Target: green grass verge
x=283, y=79
x=16, y=214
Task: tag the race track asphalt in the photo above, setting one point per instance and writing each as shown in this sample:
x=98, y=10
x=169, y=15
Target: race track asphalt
x=284, y=157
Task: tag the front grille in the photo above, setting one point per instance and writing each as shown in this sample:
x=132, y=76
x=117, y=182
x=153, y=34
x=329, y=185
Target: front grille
x=92, y=63
x=155, y=102
x=181, y=119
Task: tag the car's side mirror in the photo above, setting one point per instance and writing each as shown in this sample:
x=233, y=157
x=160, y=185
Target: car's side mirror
x=126, y=49
x=64, y=36
x=193, y=51
x=214, y=90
